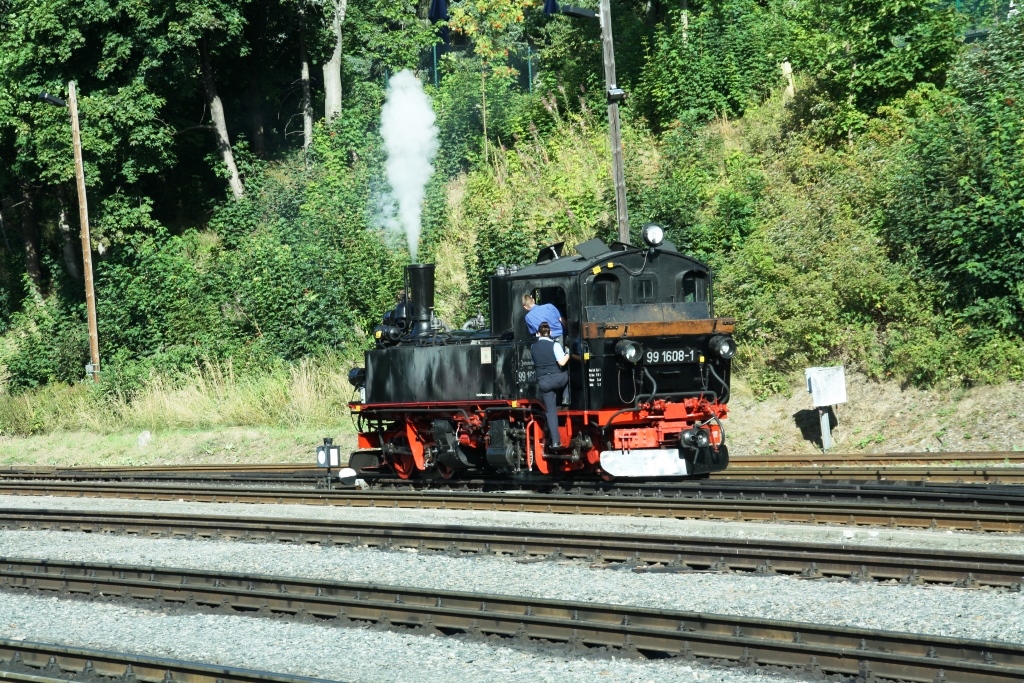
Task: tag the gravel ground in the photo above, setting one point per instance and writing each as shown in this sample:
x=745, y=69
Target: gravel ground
x=984, y=614
x=949, y=540
x=340, y=654
x=362, y=655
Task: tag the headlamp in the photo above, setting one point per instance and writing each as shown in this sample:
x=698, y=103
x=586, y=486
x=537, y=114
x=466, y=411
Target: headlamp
x=629, y=351
x=722, y=346
x=357, y=377
x=653, y=235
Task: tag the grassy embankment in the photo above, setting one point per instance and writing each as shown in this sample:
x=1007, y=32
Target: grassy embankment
x=210, y=416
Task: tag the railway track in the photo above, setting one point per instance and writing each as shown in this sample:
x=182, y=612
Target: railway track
x=824, y=649
x=29, y=662
x=640, y=553
x=1002, y=467
x=243, y=474
x=953, y=508
x=819, y=459
x=926, y=474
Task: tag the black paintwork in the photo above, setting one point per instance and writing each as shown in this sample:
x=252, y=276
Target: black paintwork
x=613, y=284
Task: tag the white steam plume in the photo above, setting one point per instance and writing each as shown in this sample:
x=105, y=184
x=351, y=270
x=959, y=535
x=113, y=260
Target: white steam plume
x=410, y=140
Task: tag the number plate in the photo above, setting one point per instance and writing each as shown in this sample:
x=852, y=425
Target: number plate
x=666, y=356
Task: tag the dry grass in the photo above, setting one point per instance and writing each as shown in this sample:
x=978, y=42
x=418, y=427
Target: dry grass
x=303, y=395
x=452, y=256
x=226, y=445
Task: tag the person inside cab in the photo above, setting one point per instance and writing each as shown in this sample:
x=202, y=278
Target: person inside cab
x=542, y=313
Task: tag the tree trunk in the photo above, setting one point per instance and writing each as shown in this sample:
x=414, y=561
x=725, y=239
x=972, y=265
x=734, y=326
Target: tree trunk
x=219, y=123
x=332, y=69
x=30, y=240
x=67, y=244
x=307, y=104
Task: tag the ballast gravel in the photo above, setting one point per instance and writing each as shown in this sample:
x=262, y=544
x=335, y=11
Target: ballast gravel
x=361, y=655
x=352, y=655
x=823, y=533
x=979, y=614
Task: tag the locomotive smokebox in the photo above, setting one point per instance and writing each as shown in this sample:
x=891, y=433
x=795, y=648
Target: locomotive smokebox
x=419, y=287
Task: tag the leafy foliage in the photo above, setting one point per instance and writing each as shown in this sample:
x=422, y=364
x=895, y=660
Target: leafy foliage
x=50, y=344
x=863, y=55
x=538, y=193
x=493, y=26
x=716, y=61
x=875, y=220
x=956, y=202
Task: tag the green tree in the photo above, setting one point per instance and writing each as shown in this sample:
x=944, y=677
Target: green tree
x=494, y=26
x=863, y=55
x=43, y=45
x=715, y=61
x=956, y=200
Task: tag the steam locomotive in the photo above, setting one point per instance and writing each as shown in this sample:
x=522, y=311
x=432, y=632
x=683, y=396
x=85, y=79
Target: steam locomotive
x=649, y=373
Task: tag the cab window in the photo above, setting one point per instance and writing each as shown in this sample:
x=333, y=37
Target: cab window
x=541, y=295
x=693, y=286
x=604, y=290
x=645, y=290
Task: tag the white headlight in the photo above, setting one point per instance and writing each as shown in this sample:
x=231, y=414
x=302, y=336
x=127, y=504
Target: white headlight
x=722, y=345
x=653, y=235
x=629, y=351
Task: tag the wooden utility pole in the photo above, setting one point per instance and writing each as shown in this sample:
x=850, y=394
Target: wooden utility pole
x=615, y=95
x=83, y=216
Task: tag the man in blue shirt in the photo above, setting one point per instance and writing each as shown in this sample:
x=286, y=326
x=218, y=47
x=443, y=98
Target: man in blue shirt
x=543, y=313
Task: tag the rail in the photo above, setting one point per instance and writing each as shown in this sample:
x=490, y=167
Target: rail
x=849, y=506
x=646, y=553
x=828, y=649
x=30, y=662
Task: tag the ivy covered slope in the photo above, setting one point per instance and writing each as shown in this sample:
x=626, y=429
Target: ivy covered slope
x=874, y=216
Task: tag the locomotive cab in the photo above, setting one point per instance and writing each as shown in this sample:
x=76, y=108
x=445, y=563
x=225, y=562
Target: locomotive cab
x=649, y=374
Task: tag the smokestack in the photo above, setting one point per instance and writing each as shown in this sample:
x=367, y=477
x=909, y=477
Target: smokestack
x=419, y=288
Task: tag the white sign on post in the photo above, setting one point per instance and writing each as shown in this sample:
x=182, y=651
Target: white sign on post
x=827, y=387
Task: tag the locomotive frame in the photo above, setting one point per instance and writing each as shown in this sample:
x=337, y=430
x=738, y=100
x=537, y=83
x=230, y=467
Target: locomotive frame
x=648, y=376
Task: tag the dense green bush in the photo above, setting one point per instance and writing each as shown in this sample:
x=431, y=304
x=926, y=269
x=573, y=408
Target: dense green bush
x=864, y=54
x=815, y=282
x=47, y=342
x=715, y=61
x=11, y=289
x=955, y=206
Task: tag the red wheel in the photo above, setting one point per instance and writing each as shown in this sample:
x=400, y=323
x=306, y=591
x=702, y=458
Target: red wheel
x=403, y=465
x=401, y=459
x=444, y=471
